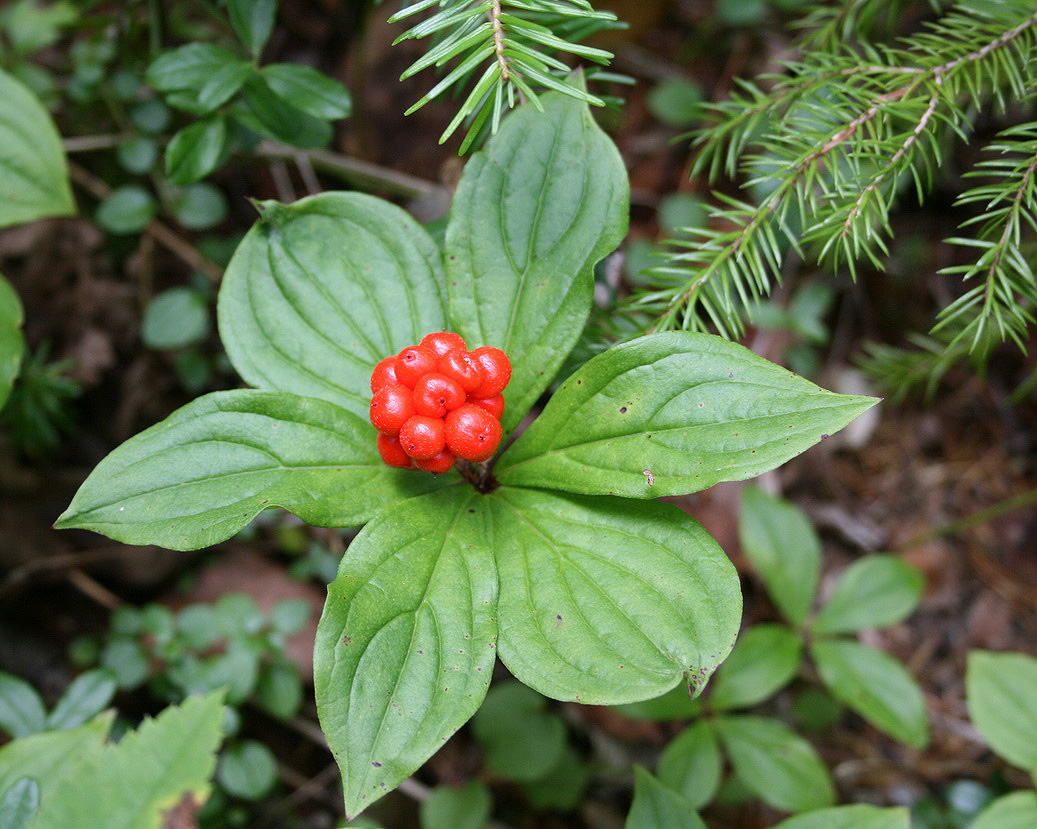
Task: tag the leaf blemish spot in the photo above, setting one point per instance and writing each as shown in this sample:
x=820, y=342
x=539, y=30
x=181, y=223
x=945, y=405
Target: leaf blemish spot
x=471, y=510
x=376, y=764
x=622, y=409
x=649, y=476
x=824, y=437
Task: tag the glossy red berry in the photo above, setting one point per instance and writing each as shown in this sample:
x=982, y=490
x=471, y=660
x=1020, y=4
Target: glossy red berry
x=423, y=437
x=414, y=363
x=436, y=394
x=392, y=452
x=494, y=405
x=472, y=433
x=496, y=370
x=391, y=407
x=384, y=373
x=443, y=341
x=458, y=366
x=443, y=462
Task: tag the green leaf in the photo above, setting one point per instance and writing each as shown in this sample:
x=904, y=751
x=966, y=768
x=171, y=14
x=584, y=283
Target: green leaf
x=197, y=150
x=675, y=704
x=211, y=73
x=165, y=761
x=52, y=756
x=876, y=686
x=127, y=209
x=531, y=216
x=562, y=787
x=126, y=658
x=656, y=805
x=200, y=206
x=86, y=696
x=247, y=770
x=778, y=765
x=676, y=102
x=873, y=592
x=137, y=155
x=1001, y=691
x=277, y=118
x=1017, y=810
x=253, y=20
x=606, y=601
x=204, y=472
x=175, y=318
x=18, y=804
x=859, y=816
x=764, y=660
x=320, y=291
x=289, y=616
x=669, y=414
x=406, y=645
x=12, y=343
x=279, y=690
x=33, y=171
x=21, y=709
x=457, y=807
x=522, y=741
x=784, y=549
x=691, y=764
x=308, y=89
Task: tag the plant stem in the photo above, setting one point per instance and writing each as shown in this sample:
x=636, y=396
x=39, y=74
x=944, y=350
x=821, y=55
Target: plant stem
x=976, y=519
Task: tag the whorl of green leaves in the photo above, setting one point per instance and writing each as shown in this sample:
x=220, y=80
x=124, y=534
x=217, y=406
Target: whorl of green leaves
x=502, y=51
x=828, y=146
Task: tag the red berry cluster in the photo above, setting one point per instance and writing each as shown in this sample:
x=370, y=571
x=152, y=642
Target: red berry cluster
x=437, y=401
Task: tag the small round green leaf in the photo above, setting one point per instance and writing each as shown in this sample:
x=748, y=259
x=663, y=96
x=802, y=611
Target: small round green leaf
x=127, y=209
x=876, y=686
x=289, y=616
x=87, y=695
x=656, y=805
x=137, y=155
x=676, y=102
x=522, y=741
x=279, y=690
x=151, y=117
x=851, y=817
x=562, y=787
x=247, y=769
x=175, y=318
x=457, y=807
x=765, y=659
x=1001, y=690
x=21, y=709
x=200, y=206
x=691, y=763
x=311, y=91
x=778, y=765
x=1013, y=811
x=197, y=150
x=873, y=592
x=126, y=658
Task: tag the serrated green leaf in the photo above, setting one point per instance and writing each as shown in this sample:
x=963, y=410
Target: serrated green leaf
x=764, y=659
x=204, y=472
x=18, y=804
x=197, y=150
x=280, y=119
x=656, y=805
x=875, y=685
x=606, y=601
x=253, y=20
x=1017, y=810
x=406, y=644
x=457, y=807
x=21, y=709
x=321, y=290
x=784, y=549
x=52, y=756
x=309, y=89
x=521, y=740
x=778, y=765
x=859, y=816
x=12, y=343
x=1001, y=691
x=691, y=764
x=669, y=414
x=149, y=771
x=33, y=170
x=873, y=592
x=532, y=214
x=86, y=696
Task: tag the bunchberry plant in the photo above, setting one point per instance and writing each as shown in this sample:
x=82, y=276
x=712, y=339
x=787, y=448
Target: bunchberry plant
x=553, y=554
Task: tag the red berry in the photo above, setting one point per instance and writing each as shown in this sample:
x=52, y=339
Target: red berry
x=423, y=437
x=414, y=363
x=443, y=341
x=392, y=453
x=472, y=433
x=383, y=374
x=391, y=407
x=436, y=394
x=496, y=370
x=441, y=463
x=494, y=405
x=458, y=366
